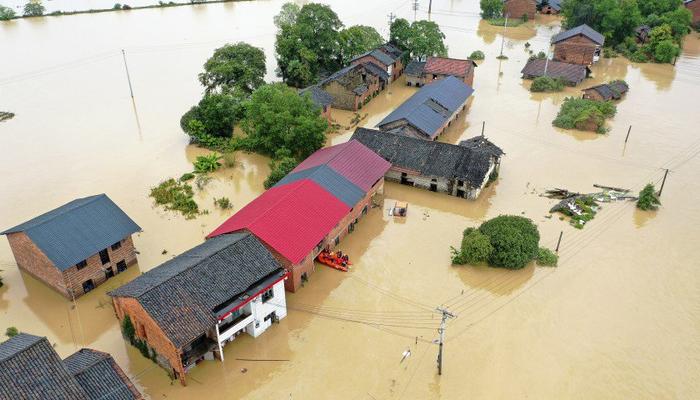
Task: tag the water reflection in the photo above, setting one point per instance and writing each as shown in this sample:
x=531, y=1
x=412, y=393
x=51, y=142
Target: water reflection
x=497, y=281
x=641, y=218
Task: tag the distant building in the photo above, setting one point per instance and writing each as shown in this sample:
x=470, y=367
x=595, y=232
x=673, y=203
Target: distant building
x=580, y=45
x=570, y=74
x=430, y=110
x=30, y=368
x=519, y=8
x=694, y=7
x=549, y=6
x=434, y=68
x=76, y=247
x=606, y=91
x=641, y=33
x=313, y=207
x=321, y=98
x=387, y=56
x=459, y=170
x=353, y=86
x=188, y=308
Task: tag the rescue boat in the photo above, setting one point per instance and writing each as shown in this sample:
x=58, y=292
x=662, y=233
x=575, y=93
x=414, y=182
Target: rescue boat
x=332, y=261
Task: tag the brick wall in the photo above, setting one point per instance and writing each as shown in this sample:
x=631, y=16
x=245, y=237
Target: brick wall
x=694, y=7
x=33, y=261
x=576, y=50
x=518, y=8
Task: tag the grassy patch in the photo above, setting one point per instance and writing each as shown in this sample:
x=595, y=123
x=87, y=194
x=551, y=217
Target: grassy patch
x=547, y=84
x=176, y=196
x=512, y=23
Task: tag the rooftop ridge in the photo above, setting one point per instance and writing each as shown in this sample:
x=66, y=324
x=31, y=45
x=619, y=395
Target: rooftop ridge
x=89, y=200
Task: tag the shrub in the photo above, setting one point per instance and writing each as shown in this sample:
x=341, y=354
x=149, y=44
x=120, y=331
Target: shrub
x=117, y=6
x=546, y=257
x=539, y=56
x=6, y=13
x=609, y=52
x=476, y=247
x=208, y=163
x=229, y=159
x=224, y=203
x=666, y=51
x=128, y=329
x=491, y=8
x=639, y=56
x=11, y=332
x=279, y=169
x=648, y=199
x=477, y=55
x=584, y=114
x=186, y=177
x=126, y=7
x=176, y=195
x=546, y=84
x=514, y=240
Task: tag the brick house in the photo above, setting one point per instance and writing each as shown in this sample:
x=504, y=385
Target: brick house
x=570, y=74
x=458, y=170
x=519, y=8
x=76, y=247
x=422, y=73
x=387, y=56
x=549, y=6
x=321, y=98
x=694, y=7
x=353, y=86
x=580, y=45
x=414, y=73
x=430, y=110
x=188, y=308
x=606, y=91
x=30, y=368
x=313, y=207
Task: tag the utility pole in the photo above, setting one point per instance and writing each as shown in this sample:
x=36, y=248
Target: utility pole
x=663, y=182
x=445, y=314
x=503, y=41
x=546, y=63
x=430, y=7
x=415, y=9
x=128, y=78
x=559, y=241
x=392, y=16
x=628, y=133
x=483, y=126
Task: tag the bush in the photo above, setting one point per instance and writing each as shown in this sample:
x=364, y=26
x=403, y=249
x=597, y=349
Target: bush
x=546, y=84
x=208, y=163
x=666, y=51
x=34, y=9
x=476, y=247
x=546, y=257
x=539, y=56
x=639, y=56
x=126, y=7
x=224, y=203
x=11, y=332
x=128, y=329
x=491, y=8
x=514, y=240
x=648, y=199
x=6, y=13
x=584, y=114
x=117, y=6
x=279, y=169
x=477, y=55
x=177, y=196
x=186, y=177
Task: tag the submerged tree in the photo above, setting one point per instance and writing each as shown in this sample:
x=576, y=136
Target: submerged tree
x=215, y=115
x=648, y=199
x=239, y=65
x=421, y=39
x=491, y=9
x=34, y=8
x=6, y=13
x=356, y=40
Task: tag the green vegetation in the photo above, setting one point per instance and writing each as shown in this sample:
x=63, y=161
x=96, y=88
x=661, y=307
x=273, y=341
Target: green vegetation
x=546, y=257
x=11, y=332
x=177, y=196
x=128, y=329
x=237, y=66
x=512, y=23
x=34, y=9
x=477, y=55
x=357, y=40
x=208, y=163
x=539, y=56
x=6, y=13
x=506, y=241
x=229, y=159
x=278, y=169
x=129, y=333
x=419, y=39
x=546, y=84
x=584, y=114
x=214, y=116
x=491, y=9
x=223, y=203
x=188, y=176
x=648, y=199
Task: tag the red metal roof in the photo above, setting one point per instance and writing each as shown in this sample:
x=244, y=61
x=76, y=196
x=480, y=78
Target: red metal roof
x=448, y=66
x=292, y=218
x=352, y=160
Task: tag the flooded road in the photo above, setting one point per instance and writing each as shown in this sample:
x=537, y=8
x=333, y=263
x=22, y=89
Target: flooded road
x=619, y=318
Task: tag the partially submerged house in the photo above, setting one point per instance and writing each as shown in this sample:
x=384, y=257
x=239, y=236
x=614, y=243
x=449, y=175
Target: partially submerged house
x=580, y=45
x=77, y=246
x=519, y=9
x=188, y=308
x=30, y=368
x=354, y=85
x=430, y=110
x=387, y=56
x=459, y=170
x=321, y=98
x=606, y=91
x=434, y=68
x=570, y=74
x=549, y=6
x=313, y=207
x=694, y=7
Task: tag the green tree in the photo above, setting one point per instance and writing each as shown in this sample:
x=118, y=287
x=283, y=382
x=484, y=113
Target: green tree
x=679, y=20
x=287, y=16
x=661, y=44
x=6, y=13
x=237, y=65
x=279, y=169
x=666, y=51
x=615, y=19
x=515, y=241
x=584, y=114
x=477, y=55
x=648, y=199
x=426, y=40
x=356, y=40
x=215, y=115
x=34, y=8
x=658, y=7
x=11, y=332
x=476, y=248
x=278, y=118
x=400, y=33
x=491, y=9
x=546, y=257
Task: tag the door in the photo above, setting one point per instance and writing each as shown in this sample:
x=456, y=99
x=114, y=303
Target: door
x=104, y=256
x=88, y=285
x=109, y=272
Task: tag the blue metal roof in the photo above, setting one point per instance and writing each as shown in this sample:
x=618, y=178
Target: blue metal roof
x=76, y=230
x=432, y=105
x=333, y=182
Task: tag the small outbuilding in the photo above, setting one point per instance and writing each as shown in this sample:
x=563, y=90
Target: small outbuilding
x=414, y=73
x=549, y=6
x=76, y=247
x=520, y=9
x=387, y=57
x=570, y=74
x=606, y=91
x=434, y=68
x=641, y=33
x=580, y=45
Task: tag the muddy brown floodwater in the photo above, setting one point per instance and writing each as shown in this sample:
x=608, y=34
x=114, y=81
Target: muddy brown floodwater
x=619, y=318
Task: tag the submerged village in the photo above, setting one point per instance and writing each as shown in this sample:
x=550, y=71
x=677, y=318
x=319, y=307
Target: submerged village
x=401, y=200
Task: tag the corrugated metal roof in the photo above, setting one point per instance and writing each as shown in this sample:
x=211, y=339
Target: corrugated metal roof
x=449, y=92
x=292, y=218
x=584, y=30
x=333, y=182
x=352, y=160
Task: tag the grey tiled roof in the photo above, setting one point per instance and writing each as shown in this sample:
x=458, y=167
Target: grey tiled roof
x=319, y=96
x=481, y=144
x=77, y=230
x=415, y=68
x=570, y=73
x=379, y=55
x=377, y=70
x=584, y=30
x=429, y=108
x=181, y=294
x=610, y=91
x=100, y=377
x=555, y=4
x=333, y=182
x=429, y=158
x=394, y=51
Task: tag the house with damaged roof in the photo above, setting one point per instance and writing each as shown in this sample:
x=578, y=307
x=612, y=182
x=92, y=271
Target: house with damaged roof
x=459, y=170
x=519, y=9
x=354, y=86
x=77, y=246
x=188, y=308
x=580, y=45
x=570, y=74
x=320, y=98
x=30, y=368
x=430, y=110
x=606, y=91
x=419, y=73
x=387, y=56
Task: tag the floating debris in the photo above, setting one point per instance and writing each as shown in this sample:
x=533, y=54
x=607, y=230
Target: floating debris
x=4, y=115
x=582, y=208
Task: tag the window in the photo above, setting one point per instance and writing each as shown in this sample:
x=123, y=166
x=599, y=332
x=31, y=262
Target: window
x=104, y=256
x=116, y=246
x=81, y=265
x=271, y=316
x=121, y=266
x=109, y=272
x=269, y=294
x=460, y=183
x=88, y=285
x=337, y=240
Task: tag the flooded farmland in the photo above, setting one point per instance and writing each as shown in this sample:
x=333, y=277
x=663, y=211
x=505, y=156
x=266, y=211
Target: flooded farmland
x=619, y=317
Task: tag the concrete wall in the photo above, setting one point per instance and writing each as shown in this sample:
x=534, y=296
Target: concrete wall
x=517, y=8
x=576, y=50
x=259, y=310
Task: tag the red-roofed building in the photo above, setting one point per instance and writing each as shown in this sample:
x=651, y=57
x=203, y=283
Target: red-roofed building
x=297, y=220
x=440, y=67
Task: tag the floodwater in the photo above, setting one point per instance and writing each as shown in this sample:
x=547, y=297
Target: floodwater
x=619, y=318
